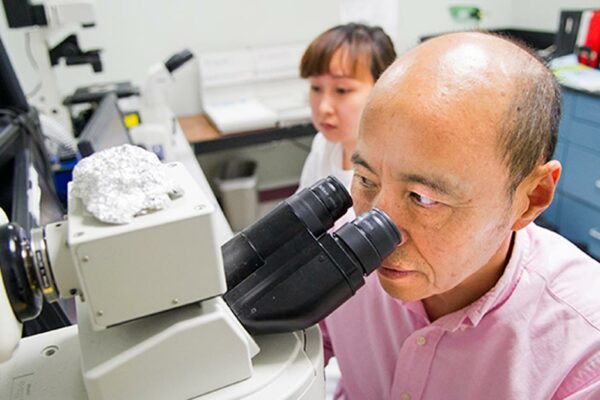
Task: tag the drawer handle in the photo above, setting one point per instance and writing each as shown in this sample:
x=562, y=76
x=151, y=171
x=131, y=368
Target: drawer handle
x=595, y=233
x=598, y=184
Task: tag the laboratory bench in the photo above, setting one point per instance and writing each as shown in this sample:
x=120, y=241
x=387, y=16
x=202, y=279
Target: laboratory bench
x=205, y=138
x=575, y=211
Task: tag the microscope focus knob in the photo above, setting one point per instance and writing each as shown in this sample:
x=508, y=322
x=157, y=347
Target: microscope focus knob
x=17, y=269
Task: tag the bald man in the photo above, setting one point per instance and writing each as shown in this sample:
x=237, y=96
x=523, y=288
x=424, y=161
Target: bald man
x=478, y=302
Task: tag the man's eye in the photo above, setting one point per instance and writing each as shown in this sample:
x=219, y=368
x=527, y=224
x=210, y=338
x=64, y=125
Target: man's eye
x=423, y=200
x=365, y=182
x=314, y=88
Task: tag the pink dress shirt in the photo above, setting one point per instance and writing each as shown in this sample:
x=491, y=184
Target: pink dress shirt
x=535, y=335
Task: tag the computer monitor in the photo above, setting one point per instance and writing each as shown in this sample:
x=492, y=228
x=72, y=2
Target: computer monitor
x=568, y=27
x=105, y=128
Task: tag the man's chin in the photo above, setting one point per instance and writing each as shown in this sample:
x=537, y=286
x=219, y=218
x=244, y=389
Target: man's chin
x=398, y=292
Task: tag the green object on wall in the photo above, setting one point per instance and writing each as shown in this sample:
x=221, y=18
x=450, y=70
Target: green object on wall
x=465, y=13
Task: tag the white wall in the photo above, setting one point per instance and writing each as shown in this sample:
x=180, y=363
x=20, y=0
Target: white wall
x=135, y=34
x=544, y=15
x=408, y=20
x=421, y=18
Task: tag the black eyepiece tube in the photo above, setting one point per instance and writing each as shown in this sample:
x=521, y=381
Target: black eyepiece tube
x=311, y=211
x=306, y=272
x=369, y=237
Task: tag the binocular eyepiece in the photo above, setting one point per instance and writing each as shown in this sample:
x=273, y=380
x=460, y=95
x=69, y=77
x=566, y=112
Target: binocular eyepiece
x=286, y=272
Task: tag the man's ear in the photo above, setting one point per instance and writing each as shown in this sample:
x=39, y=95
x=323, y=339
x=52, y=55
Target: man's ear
x=539, y=190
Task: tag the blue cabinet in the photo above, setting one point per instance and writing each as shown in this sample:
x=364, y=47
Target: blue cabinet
x=575, y=210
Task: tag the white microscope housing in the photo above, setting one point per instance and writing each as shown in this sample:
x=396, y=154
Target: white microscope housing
x=151, y=320
x=161, y=260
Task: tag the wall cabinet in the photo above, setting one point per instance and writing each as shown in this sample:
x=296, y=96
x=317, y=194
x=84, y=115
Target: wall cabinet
x=575, y=211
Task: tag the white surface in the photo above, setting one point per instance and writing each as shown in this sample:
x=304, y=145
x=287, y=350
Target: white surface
x=61, y=12
x=545, y=14
x=182, y=152
x=153, y=263
x=154, y=137
x=179, y=354
x=238, y=115
x=47, y=367
x=332, y=377
x=254, y=88
x=384, y=13
x=46, y=96
x=423, y=18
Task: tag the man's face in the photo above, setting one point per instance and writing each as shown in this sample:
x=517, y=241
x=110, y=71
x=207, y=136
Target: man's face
x=436, y=171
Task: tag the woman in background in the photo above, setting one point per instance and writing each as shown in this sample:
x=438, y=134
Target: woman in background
x=342, y=65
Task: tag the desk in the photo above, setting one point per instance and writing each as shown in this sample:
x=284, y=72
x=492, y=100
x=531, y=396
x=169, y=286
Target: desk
x=204, y=138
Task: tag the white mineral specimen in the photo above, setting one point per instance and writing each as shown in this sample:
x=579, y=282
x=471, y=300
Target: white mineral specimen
x=119, y=183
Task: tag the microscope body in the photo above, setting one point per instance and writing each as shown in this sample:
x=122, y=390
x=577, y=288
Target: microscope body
x=159, y=261
x=151, y=291
x=151, y=320
x=164, y=312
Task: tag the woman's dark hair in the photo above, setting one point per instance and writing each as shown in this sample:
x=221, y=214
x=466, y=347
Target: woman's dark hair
x=364, y=45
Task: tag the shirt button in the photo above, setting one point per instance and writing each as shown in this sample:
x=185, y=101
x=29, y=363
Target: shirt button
x=404, y=396
x=421, y=340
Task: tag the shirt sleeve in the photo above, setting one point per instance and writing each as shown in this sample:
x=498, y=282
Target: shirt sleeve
x=586, y=393
x=583, y=382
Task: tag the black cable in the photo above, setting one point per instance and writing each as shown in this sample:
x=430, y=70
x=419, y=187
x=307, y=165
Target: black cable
x=29, y=126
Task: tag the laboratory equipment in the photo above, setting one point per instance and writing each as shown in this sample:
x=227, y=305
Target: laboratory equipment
x=152, y=322
x=158, y=124
x=49, y=39
x=105, y=129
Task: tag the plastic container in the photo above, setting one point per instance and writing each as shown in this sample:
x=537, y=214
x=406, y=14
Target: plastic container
x=237, y=185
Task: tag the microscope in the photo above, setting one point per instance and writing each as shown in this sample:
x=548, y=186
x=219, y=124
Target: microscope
x=164, y=312
x=50, y=27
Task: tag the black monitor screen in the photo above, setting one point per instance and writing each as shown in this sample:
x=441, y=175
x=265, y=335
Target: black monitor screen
x=105, y=128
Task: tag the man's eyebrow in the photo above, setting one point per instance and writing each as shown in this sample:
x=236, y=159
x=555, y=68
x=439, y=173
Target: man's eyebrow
x=358, y=160
x=437, y=184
